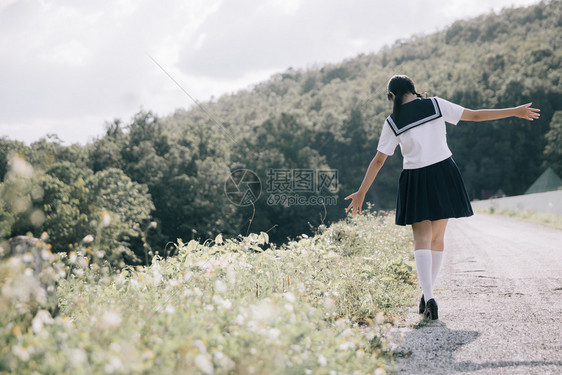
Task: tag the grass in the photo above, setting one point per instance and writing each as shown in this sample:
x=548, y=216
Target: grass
x=319, y=305
x=551, y=220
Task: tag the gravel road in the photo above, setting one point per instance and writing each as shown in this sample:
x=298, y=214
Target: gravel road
x=500, y=303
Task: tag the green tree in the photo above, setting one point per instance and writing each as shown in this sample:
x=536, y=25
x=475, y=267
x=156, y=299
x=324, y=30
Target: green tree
x=553, y=149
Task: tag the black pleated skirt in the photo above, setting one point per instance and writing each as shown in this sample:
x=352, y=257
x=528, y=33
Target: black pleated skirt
x=432, y=193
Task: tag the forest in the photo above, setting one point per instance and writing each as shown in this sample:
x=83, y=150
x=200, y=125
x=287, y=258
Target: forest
x=150, y=181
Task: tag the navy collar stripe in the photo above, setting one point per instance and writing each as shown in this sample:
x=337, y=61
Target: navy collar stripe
x=415, y=113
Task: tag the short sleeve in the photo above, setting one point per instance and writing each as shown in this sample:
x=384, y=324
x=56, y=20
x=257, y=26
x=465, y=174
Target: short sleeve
x=451, y=112
x=388, y=140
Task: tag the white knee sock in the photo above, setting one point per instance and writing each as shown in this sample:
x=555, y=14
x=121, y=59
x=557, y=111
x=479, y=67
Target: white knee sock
x=436, y=258
x=423, y=260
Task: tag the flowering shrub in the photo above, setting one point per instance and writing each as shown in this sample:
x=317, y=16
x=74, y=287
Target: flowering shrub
x=316, y=305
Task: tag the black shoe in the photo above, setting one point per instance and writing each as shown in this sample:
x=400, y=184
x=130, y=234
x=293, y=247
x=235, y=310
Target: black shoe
x=422, y=305
x=431, y=310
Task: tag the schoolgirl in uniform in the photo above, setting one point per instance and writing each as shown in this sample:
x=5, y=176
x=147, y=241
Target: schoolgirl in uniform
x=430, y=189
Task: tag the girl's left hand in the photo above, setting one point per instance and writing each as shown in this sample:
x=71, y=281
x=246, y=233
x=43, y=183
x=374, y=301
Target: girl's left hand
x=356, y=203
x=525, y=111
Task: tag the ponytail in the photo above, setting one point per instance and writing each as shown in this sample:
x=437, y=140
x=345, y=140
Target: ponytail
x=400, y=85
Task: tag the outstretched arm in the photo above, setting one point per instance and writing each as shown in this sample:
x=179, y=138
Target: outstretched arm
x=358, y=197
x=523, y=111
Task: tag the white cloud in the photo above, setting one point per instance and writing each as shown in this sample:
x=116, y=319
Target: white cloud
x=68, y=66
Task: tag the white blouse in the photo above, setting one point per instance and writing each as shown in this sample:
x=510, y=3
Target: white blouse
x=425, y=144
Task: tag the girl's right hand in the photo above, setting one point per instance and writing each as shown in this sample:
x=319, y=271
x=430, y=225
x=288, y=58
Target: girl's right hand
x=356, y=203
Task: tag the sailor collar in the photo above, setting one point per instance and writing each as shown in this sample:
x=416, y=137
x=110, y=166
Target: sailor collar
x=414, y=113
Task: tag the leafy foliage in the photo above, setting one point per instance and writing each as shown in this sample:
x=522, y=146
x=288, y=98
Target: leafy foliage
x=327, y=117
x=318, y=304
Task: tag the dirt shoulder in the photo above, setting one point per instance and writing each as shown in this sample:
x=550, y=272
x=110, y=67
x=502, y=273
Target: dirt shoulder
x=500, y=303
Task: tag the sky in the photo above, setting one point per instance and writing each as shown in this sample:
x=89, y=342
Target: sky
x=68, y=67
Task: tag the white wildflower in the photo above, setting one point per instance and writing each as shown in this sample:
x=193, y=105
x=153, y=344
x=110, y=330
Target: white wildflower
x=46, y=255
x=120, y=280
x=88, y=239
x=239, y=319
x=273, y=333
x=380, y=371
x=78, y=356
x=347, y=332
x=346, y=345
x=204, y=364
x=200, y=345
x=188, y=276
x=231, y=275
x=380, y=318
x=28, y=257
x=341, y=323
x=78, y=271
x=106, y=219
x=170, y=309
x=290, y=297
x=329, y=303
x=110, y=319
x=148, y=354
x=204, y=265
x=223, y=361
x=41, y=318
x=264, y=312
x=114, y=364
x=224, y=303
x=22, y=353
x=220, y=286
x=156, y=277
x=322, y=361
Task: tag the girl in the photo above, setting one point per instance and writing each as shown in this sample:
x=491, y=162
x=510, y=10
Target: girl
x=430, y=189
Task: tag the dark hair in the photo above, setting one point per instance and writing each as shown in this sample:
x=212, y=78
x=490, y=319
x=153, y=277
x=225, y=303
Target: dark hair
x=400, y=85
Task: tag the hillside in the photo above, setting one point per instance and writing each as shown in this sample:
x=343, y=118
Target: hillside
x=334, y=114
x=326, y=118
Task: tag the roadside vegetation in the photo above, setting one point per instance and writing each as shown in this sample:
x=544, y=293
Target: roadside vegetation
x=319, y=304
x=550, y=220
